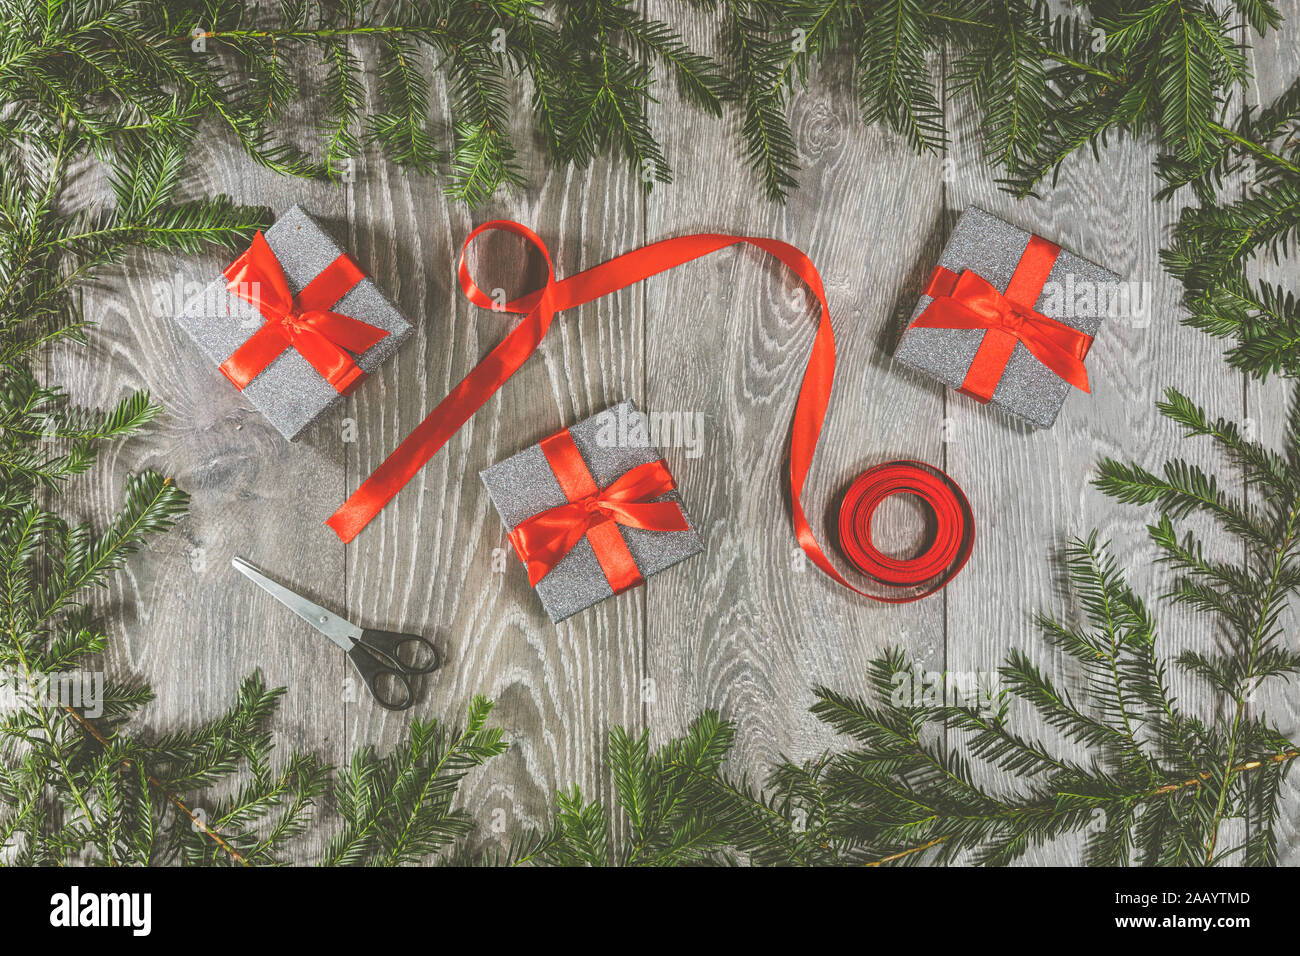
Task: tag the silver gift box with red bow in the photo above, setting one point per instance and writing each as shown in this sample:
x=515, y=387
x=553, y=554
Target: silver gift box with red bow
x=1076, y=293
x=289, y=392
x=524, y=485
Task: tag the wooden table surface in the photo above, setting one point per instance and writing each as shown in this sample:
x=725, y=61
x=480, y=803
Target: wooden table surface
x=743, y=628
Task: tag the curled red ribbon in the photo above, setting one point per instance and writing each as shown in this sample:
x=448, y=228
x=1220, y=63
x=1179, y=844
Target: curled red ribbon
x=303, y=323
x=969, y=301
x=539, y=310
x=954, y=531
x=542, y=540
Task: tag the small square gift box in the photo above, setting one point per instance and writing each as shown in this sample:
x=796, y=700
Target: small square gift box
x=1008, y=317
x=294, y=323
x=592, y=511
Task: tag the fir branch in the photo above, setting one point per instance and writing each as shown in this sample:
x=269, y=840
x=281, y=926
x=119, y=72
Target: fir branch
x=148, y=813
x=401, y=126
x=398, y=809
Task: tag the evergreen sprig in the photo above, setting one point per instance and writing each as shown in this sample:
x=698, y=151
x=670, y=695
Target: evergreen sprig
x=49, y=251
x=115, y=68
x=1246, y=598
x=398, y=809
x=1045, y=84
x=1217, y=241
x=677, y=813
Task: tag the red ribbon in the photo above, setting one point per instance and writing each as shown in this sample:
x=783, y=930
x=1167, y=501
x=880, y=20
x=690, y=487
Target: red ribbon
x=303, y=323
x=969, y=301
x=542, y=540
x=539, y=310
x=954, y=531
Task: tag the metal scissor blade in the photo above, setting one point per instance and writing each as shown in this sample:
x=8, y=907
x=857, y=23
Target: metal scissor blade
x=337, y=629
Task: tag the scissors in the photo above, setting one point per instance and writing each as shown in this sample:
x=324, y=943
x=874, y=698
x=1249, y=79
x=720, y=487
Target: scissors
x=385, y=660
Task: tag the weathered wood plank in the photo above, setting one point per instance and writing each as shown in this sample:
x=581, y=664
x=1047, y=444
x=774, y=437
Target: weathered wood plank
x=437, y=560
x=748, y=628
x=185, y=621
x=1031, y=488
x=1275, y=60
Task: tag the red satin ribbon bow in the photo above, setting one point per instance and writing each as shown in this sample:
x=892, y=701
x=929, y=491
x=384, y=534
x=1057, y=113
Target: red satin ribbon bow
x=539, y=308
x=542, y=540
x=303, y=323
x=969, y=301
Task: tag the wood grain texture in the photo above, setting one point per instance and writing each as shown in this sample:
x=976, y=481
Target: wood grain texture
x=437, y=560
x=747, y=627
x=1032, y=488
x=184, y=621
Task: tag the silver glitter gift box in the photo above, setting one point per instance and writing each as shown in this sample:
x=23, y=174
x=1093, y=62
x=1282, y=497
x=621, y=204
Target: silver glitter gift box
x=289, y=392
x=1076, y=292
x=611, y=444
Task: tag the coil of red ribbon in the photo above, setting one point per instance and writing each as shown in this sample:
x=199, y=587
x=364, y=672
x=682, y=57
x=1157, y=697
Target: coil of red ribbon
x=539, y=308
x=944, y=555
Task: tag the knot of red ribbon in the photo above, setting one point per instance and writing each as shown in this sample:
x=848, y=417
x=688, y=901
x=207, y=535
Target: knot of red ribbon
x=542, y=540
x=969, y=301
x=304, y=323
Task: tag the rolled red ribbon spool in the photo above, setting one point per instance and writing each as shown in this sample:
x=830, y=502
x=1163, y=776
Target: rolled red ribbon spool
x=945, y=555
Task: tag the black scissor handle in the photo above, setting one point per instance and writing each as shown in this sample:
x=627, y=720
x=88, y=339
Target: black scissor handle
x=408, y=653
x=387, y=684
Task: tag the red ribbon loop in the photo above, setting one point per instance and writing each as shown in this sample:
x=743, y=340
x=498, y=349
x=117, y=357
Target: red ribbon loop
x=322, y=337
x=539, y=310
x=969, y=301
x=542, y=540
x=954, y=531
